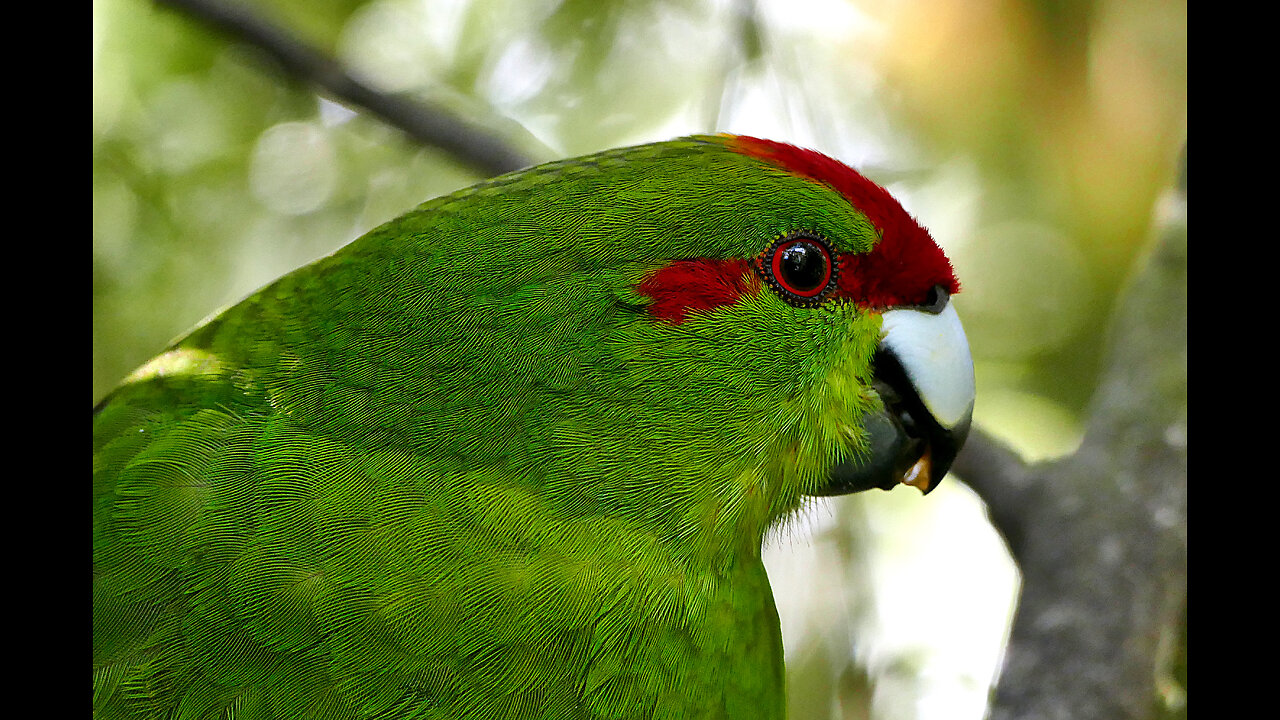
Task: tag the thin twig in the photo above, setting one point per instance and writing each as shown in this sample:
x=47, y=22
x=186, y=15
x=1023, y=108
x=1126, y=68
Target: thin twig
x=476, y=147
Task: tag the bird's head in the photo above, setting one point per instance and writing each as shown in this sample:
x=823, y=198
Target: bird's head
x=870, y=369
x=696, y=331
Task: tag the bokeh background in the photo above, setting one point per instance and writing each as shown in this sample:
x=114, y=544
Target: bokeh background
x=1038, y=140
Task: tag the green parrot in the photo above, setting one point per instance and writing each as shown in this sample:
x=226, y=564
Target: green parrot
x=514, y=453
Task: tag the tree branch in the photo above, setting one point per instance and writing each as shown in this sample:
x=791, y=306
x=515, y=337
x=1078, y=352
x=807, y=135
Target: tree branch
x=1001, y=479
x=1100, y=536
x=481, y=149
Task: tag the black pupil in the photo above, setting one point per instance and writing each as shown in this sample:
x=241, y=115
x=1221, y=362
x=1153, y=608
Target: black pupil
x=803, y=266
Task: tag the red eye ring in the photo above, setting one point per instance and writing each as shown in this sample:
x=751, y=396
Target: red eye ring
x=800, y=267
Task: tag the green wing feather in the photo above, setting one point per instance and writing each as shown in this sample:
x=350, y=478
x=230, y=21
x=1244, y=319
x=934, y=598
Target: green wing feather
x=451, y=472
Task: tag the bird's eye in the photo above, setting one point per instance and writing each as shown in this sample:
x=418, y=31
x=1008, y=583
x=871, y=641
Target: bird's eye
x=801, y=268
x=936, y=301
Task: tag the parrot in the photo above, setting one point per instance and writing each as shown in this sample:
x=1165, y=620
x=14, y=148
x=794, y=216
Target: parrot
x=515, y=453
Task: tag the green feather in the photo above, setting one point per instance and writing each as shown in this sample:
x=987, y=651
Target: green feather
x=450, y=472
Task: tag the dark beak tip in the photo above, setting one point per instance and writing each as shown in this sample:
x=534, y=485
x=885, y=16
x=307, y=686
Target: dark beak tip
x=893, y=454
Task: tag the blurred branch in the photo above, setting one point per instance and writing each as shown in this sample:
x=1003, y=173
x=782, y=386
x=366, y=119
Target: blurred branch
x=1001, y=479
x=436, y=127
x=1100, y=536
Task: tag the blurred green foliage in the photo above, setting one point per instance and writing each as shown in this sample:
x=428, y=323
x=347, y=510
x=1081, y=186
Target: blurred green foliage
x=1034, y=137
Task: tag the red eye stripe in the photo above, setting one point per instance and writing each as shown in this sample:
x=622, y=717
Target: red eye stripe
x=684, y=286
x=699, y=284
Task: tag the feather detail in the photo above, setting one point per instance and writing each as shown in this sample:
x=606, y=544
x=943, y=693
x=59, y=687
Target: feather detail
x=687, y=286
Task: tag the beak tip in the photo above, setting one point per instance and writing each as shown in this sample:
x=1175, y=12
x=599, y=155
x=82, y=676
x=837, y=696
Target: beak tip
x=920, y=474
